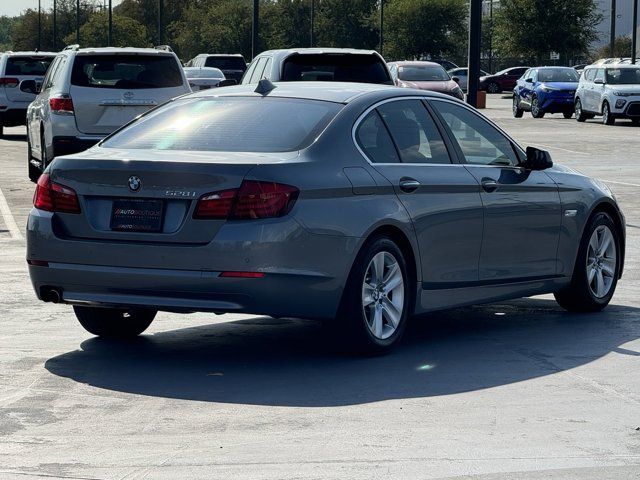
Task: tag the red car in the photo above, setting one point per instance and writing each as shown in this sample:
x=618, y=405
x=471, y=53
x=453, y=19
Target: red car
x=424, y=76
x=504, y=80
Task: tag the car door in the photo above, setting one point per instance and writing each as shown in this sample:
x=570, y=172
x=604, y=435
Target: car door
x=522, y=210
x=597, y=91
x=585, y=89
x=524, y=87
x=403, y=143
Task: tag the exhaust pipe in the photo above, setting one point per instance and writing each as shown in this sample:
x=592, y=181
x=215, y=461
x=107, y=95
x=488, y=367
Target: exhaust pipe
x=51, y=295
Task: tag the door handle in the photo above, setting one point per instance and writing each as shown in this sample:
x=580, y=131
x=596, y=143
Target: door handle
x=489, y=185
x=409, y=185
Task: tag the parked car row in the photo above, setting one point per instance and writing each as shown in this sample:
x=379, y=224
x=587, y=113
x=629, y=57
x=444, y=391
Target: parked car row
x=609, y=90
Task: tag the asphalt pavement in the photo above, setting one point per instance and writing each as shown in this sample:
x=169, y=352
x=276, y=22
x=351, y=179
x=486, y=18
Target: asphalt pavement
x=515, y=390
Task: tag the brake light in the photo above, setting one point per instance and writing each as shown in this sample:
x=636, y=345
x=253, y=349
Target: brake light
x=53, y=197
x=9, y=82
x=61, y=105
x=251, y=201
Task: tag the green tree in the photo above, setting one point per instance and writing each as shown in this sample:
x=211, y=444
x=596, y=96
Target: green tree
x=621, y=48
x=347, y=24
x=286, y=24
x=531, y=29
x=423, y=28
x=6, y=24
x=127, y=32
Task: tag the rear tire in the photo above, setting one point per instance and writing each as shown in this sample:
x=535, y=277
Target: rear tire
x=377, y=299
x=597, y=268
x=493, y=87
x=517, y=111
x=34, y=172
x=113, y=322
x=607, y=116
x=580, y=115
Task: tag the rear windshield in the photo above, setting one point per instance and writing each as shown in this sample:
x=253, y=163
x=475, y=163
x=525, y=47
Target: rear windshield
x=226, y=63
x=126, y=71
x=423, y=74
x=228, y=124
x=335, y=68
x=558, y=75
x=28, y=65
x=623, y=76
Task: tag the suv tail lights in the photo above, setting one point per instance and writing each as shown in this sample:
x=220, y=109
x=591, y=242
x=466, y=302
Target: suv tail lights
x=53, y=197
x=9, y=82
x=61, y=105
x=252, y=200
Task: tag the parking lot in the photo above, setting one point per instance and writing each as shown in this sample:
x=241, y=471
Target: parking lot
x=479, y=392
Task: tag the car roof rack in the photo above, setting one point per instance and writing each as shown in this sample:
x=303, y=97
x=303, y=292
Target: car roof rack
x=74, y=46
x=165, y=48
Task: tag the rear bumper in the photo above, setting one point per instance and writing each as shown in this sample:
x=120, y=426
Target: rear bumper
x=13, y=117
x=300, y=279
x=63, y=145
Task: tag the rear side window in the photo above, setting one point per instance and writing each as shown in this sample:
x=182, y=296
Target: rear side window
x=229, y=124
x=128, y=72
x=590, y=74
x=414, y=132
x=226, y=63
x=33, y=65
x=335, y=68
x=374, y=140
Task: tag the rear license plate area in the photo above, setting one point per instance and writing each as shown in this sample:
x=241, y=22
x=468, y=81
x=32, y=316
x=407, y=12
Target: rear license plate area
x=137, y=215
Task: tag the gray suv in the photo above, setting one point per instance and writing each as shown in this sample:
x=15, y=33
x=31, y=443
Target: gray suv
x=319, y=64
x=88, y=93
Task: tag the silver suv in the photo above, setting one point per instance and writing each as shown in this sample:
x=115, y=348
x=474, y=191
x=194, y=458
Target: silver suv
x=90, y=92
x=610, y=90
x=16, y=67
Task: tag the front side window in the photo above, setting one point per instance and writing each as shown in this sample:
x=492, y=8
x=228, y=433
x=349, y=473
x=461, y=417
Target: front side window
x=414, y=132
x=128, y=72
x=599, y=75
x=228, y=124
x=590, y=75
x=480, y=142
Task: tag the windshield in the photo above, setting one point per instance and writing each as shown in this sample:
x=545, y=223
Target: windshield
x=623, y=76
x=426, y=73
x=28, y=65
x=557, y=75
x=126, y=71
x=228, y=124
x=226, y=63
x=335, y=68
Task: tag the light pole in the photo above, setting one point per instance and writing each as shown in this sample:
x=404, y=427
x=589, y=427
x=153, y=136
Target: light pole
x=612, y=40
x=78, y=22
x=381, y=25
x=313, y=14
x=39, y=25
x=634, y=33
x=160, y=25
x=475, y=32
x=55, y=44
x=255, y=29
x=110, y=36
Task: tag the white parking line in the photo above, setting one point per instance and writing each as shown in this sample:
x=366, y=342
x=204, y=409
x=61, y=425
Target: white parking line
x=559, y=148
x=622, y=183
x=9, y=221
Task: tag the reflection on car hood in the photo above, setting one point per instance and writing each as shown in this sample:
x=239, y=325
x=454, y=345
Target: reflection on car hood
x=558, y=167
x=560, y=85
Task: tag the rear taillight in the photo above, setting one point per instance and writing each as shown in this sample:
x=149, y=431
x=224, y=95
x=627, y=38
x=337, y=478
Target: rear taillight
x=53, y=197
x=61, y=105
x=251, y=201
x=9, y=82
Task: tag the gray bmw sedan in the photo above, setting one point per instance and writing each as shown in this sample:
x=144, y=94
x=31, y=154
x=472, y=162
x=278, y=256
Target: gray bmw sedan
x=360, y=205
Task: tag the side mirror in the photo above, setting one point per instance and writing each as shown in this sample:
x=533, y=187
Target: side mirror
x=29, y=86
x=537, y=159
x=456, y=79
x=598, y=81
x=227, y=83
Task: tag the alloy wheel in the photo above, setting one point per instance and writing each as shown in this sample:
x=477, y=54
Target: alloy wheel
x=383, y=294
x=601, y=261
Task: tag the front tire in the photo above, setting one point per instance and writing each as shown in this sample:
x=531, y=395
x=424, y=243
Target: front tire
x=597, y=268
x=377, y=298
x=114, y=322
x=33, y=170
x=607, y=116
x=580, y=115
x=493, y=87
x=536, y=111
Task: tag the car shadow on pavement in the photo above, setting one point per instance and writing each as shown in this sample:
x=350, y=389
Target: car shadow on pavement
x=264, y=361
x=13, y=137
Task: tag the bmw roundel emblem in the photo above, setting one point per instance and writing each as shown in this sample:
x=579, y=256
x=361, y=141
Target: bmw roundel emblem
x=134, y=183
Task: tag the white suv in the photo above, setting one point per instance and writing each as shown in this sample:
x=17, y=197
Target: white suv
x=611, y=90
x=14, y=68
x=90, y=92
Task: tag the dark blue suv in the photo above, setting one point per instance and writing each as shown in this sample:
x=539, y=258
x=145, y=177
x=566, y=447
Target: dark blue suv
x=545, y=90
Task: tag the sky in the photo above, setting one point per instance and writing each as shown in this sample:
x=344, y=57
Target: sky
x=15, y=7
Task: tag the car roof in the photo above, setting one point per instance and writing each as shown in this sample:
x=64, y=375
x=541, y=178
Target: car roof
x=416, y=63
x=612, y=65
x=337, y=92
x=30, y=53
x=108, y=50
x=239, y=55
x=317, y=50
x=545, y=67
